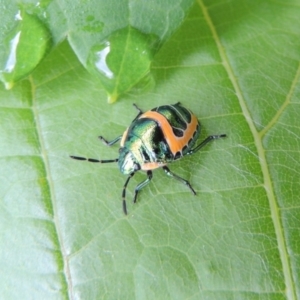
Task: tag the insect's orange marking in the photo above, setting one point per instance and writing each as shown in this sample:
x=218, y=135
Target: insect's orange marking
x=123, y=138
x=175, y=143
x=151, y=166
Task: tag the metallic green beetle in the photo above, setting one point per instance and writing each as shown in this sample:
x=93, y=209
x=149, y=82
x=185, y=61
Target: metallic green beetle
x=154, y=139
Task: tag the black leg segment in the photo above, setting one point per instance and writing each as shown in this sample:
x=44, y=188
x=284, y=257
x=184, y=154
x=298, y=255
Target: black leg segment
x=138, y=109
x=206, y=141
x=142, y=184
x=171, y=174
x=107, y=143
x=124, y=193
x=140, y=112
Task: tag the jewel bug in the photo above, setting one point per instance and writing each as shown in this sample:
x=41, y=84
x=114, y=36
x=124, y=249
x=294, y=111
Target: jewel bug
x=155, y=138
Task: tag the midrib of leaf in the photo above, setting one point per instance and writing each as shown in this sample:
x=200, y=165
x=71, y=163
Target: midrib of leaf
x=44, y=157
x=290, y=288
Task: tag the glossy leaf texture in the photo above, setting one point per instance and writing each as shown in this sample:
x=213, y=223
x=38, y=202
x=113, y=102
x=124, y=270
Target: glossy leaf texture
x=63, y=235
x=115, y=39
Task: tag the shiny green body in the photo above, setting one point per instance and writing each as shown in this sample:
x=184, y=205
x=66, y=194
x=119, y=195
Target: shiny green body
x=146, y=143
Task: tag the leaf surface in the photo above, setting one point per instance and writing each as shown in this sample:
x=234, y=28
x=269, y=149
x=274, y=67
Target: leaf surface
x=63, y=235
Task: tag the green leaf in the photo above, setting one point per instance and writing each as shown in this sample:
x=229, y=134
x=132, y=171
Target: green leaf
x=119, y=37
x=63, y=234
x=23, y=48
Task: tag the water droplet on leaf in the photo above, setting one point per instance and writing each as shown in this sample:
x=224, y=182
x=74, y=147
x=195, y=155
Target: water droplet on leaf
x=122, y=60
x=24, y=46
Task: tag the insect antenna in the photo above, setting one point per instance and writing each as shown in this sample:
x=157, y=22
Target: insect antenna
x=124, y=193
x=93, y=160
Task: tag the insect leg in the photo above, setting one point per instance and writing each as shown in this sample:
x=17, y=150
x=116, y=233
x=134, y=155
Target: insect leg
x=206, y=141
x=142, y=184
x=107, y=143
x=171, y=174
x=124, y=193
x=93, y=160
x=139, y=110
